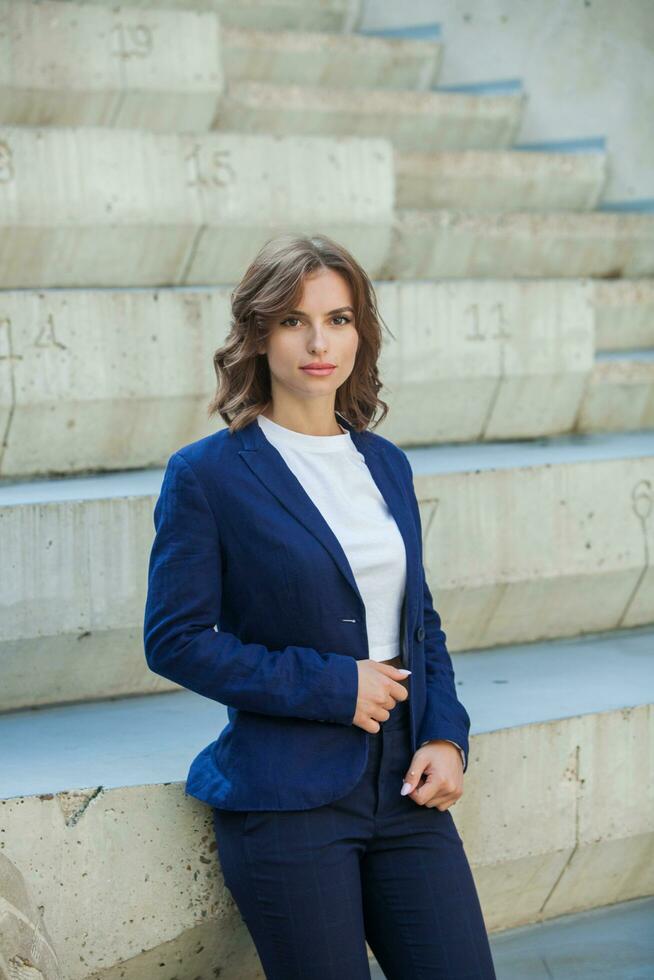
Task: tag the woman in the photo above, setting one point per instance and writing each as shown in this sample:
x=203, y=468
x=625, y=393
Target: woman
x=286, y=581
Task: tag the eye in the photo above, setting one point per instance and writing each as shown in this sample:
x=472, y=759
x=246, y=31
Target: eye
x=345, y=319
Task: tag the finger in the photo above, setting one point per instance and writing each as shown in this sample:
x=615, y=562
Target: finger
x=430, y=790
x=391, y=671
x=399, y=691
x=442, y=794
x=441, y=804
x=412, y=777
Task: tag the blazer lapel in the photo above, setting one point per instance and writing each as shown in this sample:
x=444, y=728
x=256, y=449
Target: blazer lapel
x=271, y=469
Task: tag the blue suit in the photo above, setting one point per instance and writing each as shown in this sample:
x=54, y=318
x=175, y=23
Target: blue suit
x=251, y=602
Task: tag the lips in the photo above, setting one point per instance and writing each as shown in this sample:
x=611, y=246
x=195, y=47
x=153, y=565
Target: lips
x=319, y=371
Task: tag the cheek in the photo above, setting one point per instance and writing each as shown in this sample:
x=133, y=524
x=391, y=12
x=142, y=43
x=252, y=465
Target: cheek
x=283, y=353
x=347, y=356
x=352, y=344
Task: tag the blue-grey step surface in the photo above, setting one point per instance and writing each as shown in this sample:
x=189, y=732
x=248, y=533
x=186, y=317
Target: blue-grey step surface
x=611, y=943
x=152, y=739
x=436, y=458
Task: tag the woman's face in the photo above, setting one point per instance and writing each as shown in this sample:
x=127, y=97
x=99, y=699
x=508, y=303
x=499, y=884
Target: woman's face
x=321, y=329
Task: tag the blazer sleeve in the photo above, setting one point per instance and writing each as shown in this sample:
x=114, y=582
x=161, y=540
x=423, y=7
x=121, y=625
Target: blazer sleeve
x=444, y=716
x=183, y=606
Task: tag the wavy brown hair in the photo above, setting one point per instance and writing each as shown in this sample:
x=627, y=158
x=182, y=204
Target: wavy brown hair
x=273, y=284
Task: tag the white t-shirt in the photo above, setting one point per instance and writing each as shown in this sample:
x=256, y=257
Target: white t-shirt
x=336, y=477
x=334, y=474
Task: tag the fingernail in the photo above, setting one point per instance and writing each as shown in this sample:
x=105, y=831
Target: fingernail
x=403, y=670
x=406, y=788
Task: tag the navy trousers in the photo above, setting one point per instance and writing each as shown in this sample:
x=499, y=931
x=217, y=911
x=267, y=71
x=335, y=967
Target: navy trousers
x=312, y=886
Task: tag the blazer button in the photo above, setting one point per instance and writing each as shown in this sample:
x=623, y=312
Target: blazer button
x=420, y=634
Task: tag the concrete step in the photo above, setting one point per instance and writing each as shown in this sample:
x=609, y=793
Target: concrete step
x=500, y=180
x=122, y=207
x=348, y=61
x=445, y=244
x=292, y=15
x=94, y=794
x=620, y=393
x=71, y=64
x=624, y=314
x=99, y=207
x=575, y=557
x=509, y=359
x=410, y=120
x=166, y=69
x=271, y=15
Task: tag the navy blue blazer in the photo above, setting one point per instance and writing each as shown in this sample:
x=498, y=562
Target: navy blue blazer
x=251, y=601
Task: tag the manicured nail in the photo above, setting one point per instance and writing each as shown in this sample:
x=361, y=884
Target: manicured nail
x=403, y=670
x=406, y=788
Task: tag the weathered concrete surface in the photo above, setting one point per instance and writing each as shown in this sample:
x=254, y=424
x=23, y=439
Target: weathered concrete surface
x=354, y=61
x=517, y=555
x=108, y=66
x=490, y=359
x=575, y=555
x=142, y=882
x=98, y=380
x=410, y=120
x=73, y=581
x=522, y=541
x=555, y=839
x=500, y=180
x=624, y=314
x=462, y=244
x=556, y=817
x=79, y=392
x=620, y=394
x=511, y=359
x=273, y=15
x=165, y=69
x=277, y=15
x=104, y=207
x=25, y=947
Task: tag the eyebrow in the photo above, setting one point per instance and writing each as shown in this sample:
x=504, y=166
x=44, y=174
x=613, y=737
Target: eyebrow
x=341, y=309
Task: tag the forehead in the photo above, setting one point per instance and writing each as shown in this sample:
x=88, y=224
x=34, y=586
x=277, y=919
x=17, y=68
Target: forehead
x=324, y=292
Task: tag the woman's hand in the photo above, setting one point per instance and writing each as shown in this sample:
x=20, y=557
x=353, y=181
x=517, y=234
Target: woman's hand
x=441, y=764
x=380, y=688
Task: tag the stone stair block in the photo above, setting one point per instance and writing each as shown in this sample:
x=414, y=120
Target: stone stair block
x=93, y=796
x=500, y=180
x=295, y=15
x=349, y=61
x=524, y=541
x=481, y=360
x=75, y=633
x=165, y=70
x=467, y=244
x=105, y=207
x=26, y=949
x=114, y=379
x=94, y=380
x=624, y=314
x=620, y=393
x=272, y=15
x=574, y=557
x=108, y=66
x=410, y=120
